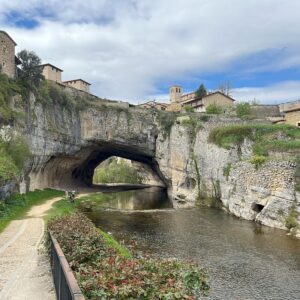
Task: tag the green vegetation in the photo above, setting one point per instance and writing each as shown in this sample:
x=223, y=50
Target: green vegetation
x=201, y=91
x=112, y=243
x=13, y=154
x=18, y=205
x=8, y=88
x=188, y=109
x=166, y=120
x=193, y=123
x=243, y=109
x=297, y=175
x=113, y=171
x=258, y=160
x=214, y=109
x=265, y=137
x=226, y=170
x=291, y=219
x=31, y=72
x=103, y=273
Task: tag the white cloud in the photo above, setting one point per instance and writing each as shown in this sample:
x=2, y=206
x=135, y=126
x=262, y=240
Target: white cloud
x=274, y=94
x=126, y=47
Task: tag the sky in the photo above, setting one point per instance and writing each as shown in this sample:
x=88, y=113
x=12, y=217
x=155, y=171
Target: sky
x=134, y=50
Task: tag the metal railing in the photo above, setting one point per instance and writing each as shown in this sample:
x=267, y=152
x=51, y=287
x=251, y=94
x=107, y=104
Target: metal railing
x=66, y=286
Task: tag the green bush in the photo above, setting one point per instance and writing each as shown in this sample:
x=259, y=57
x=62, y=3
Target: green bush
x=291, y=219
x=214, y=109
x=104, y=274
x=13, y=155
x=258, y=160
x=243, y=109
x=226, y=170
x=188, y=108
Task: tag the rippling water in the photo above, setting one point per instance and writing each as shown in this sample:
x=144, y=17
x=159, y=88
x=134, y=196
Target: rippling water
x=245, y=260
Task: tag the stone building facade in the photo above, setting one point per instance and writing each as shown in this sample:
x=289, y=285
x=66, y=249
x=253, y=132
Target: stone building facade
x=79, y=84
x=51, y=72
x=7, y=55
x=291, y=111
x=179, y=100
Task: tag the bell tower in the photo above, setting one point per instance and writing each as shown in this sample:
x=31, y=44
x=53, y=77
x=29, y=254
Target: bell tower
x=175, y=93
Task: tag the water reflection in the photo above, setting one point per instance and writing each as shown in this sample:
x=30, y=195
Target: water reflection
x=245, y=260
x=145, y=199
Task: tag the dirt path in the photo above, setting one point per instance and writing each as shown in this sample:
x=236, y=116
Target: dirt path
x=24, y=266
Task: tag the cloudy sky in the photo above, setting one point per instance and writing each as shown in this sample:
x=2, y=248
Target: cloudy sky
x=135, y=49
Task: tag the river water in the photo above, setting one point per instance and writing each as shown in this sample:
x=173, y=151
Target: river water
x=244, y=260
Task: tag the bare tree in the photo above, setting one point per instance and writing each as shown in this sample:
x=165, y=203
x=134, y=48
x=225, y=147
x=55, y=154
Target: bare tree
x=225, y=87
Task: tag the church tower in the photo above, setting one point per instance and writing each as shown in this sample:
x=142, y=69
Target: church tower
x=175, y=93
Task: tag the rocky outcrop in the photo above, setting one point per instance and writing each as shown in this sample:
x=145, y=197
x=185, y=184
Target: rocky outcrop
x=67, y=145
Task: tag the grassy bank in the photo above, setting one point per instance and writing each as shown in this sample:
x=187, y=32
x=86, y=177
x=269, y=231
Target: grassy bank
x=103, y=273
x=63, y=208
x=18, y=205
x=266, y=138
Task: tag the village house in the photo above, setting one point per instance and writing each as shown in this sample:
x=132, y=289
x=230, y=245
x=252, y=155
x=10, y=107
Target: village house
x=178, y=100
x=51, y=72
x=291, y=111
x=8, y=60
x=78, y=84
x=153, y=105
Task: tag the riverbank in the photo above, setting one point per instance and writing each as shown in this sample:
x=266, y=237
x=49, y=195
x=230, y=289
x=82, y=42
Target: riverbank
x=105, y=273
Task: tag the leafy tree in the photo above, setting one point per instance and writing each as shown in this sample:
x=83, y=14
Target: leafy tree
x=31, y=71
x=243, y=109
x=214, y=109
x=201, y=91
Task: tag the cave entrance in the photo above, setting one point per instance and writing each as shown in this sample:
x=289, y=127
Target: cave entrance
x=121, y=171
x=257, y=207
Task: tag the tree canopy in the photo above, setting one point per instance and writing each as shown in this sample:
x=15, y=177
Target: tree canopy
x=201, y=91
x=31, y=71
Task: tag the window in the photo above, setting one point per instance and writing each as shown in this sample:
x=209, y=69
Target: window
x=3, y=64
x=298, y=124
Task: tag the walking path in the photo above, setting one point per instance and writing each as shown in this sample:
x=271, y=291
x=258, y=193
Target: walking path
x=24, y=266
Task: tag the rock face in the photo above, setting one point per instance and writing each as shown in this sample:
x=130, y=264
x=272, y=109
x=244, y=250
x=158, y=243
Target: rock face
x=67, y=145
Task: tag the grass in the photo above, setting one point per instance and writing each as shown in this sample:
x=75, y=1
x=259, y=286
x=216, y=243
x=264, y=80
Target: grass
x=111, y=242
x=266, y=137
x=18, y=205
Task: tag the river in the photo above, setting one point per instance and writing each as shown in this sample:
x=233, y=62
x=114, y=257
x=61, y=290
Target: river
x=244, y=260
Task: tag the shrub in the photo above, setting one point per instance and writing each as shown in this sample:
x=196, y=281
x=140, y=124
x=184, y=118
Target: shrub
x=214, y=109
x=103, y=274
x=291, y=219
x=258, y=160
x=243, y=109
x=226, y=170
x=188, y=108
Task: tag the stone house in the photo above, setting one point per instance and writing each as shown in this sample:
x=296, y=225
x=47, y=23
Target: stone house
x=178, y=101
x=8, y=60
x=51, y=72
x=291, y=111
x=78, y=84
x=153, y=105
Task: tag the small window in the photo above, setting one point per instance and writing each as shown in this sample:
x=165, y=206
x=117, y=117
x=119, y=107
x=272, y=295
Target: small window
x=3, y=64
x=298, y=124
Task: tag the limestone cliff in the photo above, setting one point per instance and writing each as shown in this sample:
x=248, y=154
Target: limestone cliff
x=67, y=144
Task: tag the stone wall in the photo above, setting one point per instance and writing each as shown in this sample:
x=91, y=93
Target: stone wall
x=7, y=55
